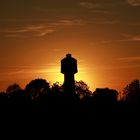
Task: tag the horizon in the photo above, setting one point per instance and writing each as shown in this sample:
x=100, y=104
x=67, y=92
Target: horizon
x=36, y=35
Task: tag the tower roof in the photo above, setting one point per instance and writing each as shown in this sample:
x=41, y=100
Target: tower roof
x=68, y=55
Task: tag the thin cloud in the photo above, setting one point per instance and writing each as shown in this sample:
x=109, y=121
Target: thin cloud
x=134, y=2
x=104, y=22
x=135, y=58
x=45, y=32
x=91, y=5
x=129, y=66
x=136, y=38
x=130, y=37
x=40, y=30
x=115, y=41
x=32, y=66
x=68, y=22
x=88, y=5
x=101, y=21
x=25, y=20
x=33, y=71
x=105, y=12
x=34, y=30
x=125, y=38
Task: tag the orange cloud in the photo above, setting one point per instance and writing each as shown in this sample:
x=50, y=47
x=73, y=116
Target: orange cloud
x=134, y=2
x=134, y=58
x=40, y=30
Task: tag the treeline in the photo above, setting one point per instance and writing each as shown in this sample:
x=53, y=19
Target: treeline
x=39, y=96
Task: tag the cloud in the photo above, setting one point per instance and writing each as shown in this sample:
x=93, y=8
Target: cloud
x=31, y=66
x=33, y=30
x=21, y=72
x=125, y=38
x=24, y=20
x=118, y=67
x=134, y=2
x=88, y=5
x=43, y=33
x=36, y=71
x=103, y=21
x=136, y=38
x=132, y=38
x=91, y=5
x=102, y=12
x=134, y=58
x=68, y=22
x=39, y=30
x=115, y=41
x=28, y=70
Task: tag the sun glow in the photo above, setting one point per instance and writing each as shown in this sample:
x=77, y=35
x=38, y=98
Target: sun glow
x=55, y=75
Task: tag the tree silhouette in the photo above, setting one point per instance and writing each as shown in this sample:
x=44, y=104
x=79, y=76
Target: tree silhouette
x=37, y=87
x=132, y=91
x=13, y=88
x=56, y=88
x=105, y=97
x=16, y=97
x=82, y=89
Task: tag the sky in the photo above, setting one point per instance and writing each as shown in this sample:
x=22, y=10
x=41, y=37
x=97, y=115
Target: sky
x=103, y=35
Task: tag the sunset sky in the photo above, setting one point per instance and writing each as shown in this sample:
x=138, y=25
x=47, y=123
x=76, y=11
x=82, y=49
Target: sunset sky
x=103, y=35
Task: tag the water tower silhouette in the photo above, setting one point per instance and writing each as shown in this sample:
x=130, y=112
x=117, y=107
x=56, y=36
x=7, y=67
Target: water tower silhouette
x=69, y=68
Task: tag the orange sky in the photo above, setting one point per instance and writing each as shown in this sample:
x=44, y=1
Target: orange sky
x=35, y=35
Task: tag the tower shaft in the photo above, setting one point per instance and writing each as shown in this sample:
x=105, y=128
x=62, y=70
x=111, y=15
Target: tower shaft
x=69, y=83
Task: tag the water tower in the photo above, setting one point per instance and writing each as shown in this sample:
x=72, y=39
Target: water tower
x=69, y=68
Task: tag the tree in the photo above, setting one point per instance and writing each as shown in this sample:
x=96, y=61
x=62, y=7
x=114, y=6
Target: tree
x=105, y=95
x=82, y=89
x=37, y=87
x=56, y=88
x=132, y=91
x=13, y=88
